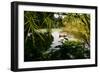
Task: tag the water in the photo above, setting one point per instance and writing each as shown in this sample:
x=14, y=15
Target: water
x=57, y=40
x=55, y=43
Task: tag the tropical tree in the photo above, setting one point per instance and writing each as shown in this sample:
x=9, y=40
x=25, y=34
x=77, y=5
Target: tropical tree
x=78, y=25
x=35, y=41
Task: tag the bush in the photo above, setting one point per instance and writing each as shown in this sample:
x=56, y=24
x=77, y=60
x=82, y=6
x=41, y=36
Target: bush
x=68, y=50
x=35, y=52
x=71, y=50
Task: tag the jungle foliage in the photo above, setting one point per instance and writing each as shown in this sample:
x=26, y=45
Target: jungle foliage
x=37, y=43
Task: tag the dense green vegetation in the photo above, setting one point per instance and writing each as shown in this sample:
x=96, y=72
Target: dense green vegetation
x=38, y=28
x=78, y=25
x=70, y=50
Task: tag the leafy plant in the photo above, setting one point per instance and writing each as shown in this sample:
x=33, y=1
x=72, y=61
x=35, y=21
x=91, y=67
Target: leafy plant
x=78, y=25
x=70, y=50
x=35, y=41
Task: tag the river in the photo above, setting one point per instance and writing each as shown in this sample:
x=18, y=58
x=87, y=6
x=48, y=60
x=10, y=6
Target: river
x=56, y=41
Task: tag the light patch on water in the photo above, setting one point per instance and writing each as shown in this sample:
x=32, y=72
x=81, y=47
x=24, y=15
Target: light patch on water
x=56, y=41
x=59, y=38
